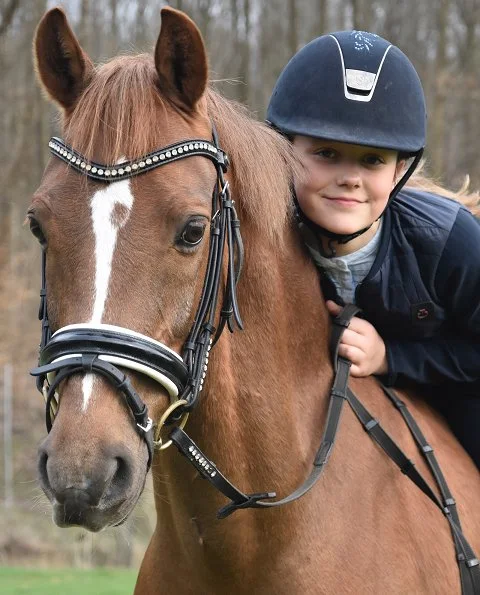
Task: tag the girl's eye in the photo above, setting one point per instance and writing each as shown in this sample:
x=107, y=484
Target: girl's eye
x=37, y=230
x=373, y=160
x=328, y=154
x=192, y=233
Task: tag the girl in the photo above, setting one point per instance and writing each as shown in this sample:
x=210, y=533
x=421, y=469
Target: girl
x=353, y=106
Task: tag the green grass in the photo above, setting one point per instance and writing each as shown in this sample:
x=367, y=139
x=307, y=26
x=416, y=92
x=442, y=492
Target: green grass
x=64, y=581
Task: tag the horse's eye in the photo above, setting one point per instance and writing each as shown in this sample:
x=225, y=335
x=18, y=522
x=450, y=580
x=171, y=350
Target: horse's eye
x=37, y=230
x=192, y=233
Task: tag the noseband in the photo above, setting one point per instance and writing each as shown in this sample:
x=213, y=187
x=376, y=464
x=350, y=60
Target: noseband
x=101, y=348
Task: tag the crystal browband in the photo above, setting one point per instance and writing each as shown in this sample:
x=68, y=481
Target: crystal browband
x=127, y=169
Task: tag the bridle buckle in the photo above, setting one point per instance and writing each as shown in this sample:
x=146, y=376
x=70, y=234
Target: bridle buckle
x=147, y=427
x=158, y=442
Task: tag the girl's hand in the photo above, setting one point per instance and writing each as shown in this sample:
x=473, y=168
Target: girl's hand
x=362, y=345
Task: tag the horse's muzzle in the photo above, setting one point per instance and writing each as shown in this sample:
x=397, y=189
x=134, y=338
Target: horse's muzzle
x=90, y=496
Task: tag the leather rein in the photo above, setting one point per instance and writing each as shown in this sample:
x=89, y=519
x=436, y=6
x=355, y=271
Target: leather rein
x=100, y=349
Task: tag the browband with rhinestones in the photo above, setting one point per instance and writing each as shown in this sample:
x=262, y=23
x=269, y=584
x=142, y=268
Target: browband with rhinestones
x=127, y=169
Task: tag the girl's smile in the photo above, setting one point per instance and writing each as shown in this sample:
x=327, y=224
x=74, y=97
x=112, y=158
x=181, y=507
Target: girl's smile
x=346, y=187
x=344, y=201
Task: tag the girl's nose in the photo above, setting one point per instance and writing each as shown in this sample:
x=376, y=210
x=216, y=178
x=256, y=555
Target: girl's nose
x=350, y=178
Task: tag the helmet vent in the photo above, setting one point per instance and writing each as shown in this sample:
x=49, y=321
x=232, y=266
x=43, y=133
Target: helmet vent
x=359, y=80
x=362, y=82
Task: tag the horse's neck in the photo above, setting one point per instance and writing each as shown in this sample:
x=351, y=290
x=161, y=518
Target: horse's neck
x=265, y=396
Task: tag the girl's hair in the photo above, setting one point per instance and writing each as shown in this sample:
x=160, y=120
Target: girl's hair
x=471, y=199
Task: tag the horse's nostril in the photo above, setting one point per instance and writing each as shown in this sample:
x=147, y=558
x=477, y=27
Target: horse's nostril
x=42, y=470
x=122, y=477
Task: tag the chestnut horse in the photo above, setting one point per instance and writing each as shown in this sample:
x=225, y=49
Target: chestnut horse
x=133, y=255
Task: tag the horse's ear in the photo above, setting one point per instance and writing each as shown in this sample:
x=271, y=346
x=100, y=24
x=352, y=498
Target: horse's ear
x=63, y=67
x=180, y=58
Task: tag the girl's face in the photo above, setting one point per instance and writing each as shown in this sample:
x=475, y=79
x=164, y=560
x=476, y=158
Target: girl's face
x=346, y=187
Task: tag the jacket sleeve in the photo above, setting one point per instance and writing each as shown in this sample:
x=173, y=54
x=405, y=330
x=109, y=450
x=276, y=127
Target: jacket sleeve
x=457, y=285
x=433, y=361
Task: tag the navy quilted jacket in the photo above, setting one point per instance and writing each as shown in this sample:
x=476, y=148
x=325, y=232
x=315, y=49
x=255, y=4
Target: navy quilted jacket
x=422, y=293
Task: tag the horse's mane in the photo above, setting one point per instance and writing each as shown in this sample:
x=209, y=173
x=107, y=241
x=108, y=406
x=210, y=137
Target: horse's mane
x=121, y=106
x=263, y=163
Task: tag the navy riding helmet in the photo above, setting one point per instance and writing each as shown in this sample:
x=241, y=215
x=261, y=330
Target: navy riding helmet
x=353, y=87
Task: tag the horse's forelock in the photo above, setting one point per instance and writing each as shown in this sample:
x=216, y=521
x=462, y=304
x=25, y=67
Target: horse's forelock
x=119, y=106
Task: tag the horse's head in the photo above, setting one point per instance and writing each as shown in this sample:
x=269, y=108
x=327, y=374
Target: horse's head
x=130, y=254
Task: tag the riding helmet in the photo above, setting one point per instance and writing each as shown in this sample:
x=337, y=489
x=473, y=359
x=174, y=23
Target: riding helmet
x=352, y=87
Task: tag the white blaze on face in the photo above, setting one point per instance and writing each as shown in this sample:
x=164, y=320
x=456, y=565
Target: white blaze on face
x=105, y=229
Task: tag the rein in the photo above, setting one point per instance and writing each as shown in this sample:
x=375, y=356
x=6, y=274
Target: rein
x=469, y=565
x=100, y=348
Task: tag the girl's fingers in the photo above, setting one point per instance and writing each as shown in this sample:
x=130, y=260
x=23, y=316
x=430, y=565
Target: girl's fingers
x=351, y=337
x=356, y=371
x=358, y=325
x=352, y=353
x=333, y=308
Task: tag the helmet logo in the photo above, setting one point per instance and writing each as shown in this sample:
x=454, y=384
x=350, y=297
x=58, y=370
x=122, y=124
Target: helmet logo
x=363, y=40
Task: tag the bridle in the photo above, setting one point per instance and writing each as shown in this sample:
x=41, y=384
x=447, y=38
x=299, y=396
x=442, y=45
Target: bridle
x=101, y=348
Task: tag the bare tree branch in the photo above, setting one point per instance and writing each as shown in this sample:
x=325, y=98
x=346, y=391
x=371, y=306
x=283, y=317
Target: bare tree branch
x=7, y=14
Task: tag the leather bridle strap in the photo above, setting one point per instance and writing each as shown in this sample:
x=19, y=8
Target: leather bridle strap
x=115, y=346
x=239, y=499
x=129, y=169
x=468, y=563
x=225, y=228
x=43, y=316
x=426, y=450
x=119, y=346
x=90, y=363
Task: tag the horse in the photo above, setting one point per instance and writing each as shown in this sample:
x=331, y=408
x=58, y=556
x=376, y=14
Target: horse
x=133, y=255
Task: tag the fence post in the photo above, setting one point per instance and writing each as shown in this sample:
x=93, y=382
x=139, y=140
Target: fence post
x=8, y=433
